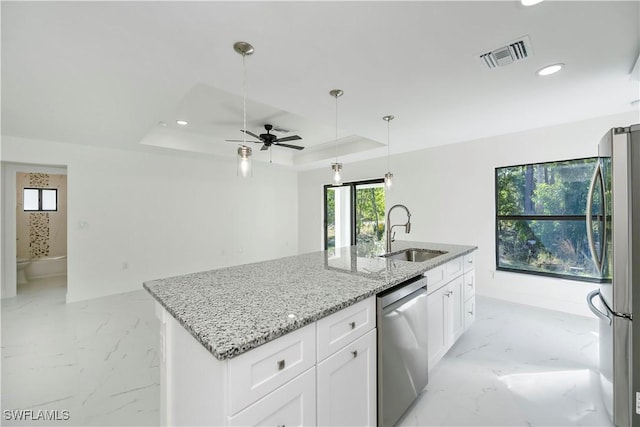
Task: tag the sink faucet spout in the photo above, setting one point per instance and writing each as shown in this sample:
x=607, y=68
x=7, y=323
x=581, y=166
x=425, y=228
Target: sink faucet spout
x=389, y=227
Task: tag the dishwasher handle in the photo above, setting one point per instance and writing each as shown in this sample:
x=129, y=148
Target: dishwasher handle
x=402, y=301
x=401, y=291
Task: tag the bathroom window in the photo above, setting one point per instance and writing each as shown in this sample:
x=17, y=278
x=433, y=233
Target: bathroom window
x=40, y=199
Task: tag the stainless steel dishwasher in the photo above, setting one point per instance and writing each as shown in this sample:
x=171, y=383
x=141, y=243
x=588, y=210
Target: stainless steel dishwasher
x=403, y=360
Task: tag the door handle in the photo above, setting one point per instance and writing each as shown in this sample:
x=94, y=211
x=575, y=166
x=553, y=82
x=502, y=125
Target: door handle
x=598, y=258
x=600, y=314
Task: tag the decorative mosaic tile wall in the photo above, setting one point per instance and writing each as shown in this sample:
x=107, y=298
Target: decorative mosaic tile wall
x=41, y=234
x=38, y=234
x=38, y=221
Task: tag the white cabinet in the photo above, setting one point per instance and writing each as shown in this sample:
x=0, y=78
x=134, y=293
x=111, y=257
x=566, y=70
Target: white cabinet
x=469, y=291
x=294, y=404
x=451, y=297
x=260, y=371
x=445, y=318
x=321, y=374
x=341, y=328
x=347, y=385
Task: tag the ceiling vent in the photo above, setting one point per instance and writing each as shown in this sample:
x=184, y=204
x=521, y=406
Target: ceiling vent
x=505, y=55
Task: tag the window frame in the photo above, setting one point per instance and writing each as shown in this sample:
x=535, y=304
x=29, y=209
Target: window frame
x=352, y=209
x=499, y=218
x=40, y=208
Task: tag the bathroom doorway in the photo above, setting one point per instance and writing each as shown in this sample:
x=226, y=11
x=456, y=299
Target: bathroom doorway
x=35, y=210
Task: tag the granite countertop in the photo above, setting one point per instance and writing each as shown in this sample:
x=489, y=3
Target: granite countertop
x=232, y=310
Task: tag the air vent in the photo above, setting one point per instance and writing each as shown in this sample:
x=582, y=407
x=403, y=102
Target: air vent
x=505, y=55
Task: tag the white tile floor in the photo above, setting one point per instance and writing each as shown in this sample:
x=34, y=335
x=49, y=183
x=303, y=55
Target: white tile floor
x=98, y=359
x=516, y=366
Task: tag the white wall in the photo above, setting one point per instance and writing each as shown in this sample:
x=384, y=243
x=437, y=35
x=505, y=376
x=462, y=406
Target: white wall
x=161, y=213
x=450, y=193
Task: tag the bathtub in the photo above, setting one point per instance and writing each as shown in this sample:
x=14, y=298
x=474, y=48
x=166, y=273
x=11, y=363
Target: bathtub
x=40, y=268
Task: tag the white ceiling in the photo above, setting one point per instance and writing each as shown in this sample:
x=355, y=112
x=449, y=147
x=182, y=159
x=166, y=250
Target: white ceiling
x=106, y=73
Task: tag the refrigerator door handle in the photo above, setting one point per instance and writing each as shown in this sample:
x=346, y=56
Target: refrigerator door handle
x=598, y=258
x=602, y=315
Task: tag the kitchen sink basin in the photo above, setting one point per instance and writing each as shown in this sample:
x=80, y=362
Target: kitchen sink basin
x=414, y=255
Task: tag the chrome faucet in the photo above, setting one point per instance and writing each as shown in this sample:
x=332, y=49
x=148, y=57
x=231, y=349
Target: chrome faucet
x=389, y=227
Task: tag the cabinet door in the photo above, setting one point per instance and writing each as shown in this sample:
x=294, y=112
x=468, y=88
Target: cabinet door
x=347, y=385
x=469, y=284
x=438, y=325
x=456, y=307
x=469, y=312
x=293, y=404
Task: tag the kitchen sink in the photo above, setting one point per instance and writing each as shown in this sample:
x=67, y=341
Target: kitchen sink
x=414, y=255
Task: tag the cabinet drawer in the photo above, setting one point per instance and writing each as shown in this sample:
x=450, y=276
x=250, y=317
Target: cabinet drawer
x=436, y=277
x=469, y=284
x=257, y=372
x=454, y=267
x=293, y=404
x=339, y=329
x=469, y=312
x=469, y=262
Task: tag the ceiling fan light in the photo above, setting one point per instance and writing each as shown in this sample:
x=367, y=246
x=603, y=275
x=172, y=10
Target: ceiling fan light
x=530, y=2
x=244, y=161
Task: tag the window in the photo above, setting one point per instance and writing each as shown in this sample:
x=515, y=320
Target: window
x=541, y=219
x=40, y=199
x=354, y=214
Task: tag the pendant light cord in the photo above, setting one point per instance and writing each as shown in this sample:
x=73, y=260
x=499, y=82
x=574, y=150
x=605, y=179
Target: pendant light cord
x=244, y=100
x=388, y=145
x=336, y=140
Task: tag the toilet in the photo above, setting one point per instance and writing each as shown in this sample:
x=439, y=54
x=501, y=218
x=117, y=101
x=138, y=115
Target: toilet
x=21, y=264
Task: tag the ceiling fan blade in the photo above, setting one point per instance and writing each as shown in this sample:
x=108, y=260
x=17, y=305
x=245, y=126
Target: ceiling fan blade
x=248, y=132
x=241, y=141
x=295, y=147
x=289, y=138
x=264, y=147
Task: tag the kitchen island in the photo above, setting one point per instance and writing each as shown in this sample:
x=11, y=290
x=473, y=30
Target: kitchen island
x=233, y=314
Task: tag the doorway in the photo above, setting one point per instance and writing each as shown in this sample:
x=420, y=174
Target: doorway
x=34, y=233
x=354, y=214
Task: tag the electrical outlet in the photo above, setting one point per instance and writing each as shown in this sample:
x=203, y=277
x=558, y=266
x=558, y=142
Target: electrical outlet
x=125, y=265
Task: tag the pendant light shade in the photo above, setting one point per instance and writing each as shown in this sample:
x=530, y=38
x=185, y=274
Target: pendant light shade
x=244, y=162
x=337, y=170
x=336, y=167
x=244, y=153
x=388, y=177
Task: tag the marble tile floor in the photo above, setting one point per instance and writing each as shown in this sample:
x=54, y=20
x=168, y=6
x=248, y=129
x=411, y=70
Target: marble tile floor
x=95, y=362
x=98, y=360
x=516, y=366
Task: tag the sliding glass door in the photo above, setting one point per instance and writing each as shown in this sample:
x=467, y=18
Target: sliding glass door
x=354, y=213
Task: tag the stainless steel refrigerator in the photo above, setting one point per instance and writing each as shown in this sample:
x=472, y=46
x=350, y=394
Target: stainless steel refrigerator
x=613, y=229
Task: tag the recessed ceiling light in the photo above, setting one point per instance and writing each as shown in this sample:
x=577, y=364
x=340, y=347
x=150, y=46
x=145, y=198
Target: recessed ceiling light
x=530, y=2
x=549, y=69
x=182, y=122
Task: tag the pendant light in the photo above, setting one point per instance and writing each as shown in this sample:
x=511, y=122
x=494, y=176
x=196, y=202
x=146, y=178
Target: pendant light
x=244, y=152
x=336, y=167
x=388, y=177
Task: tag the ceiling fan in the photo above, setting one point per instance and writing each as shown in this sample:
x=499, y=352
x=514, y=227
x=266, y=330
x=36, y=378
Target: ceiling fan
x=268, y=139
